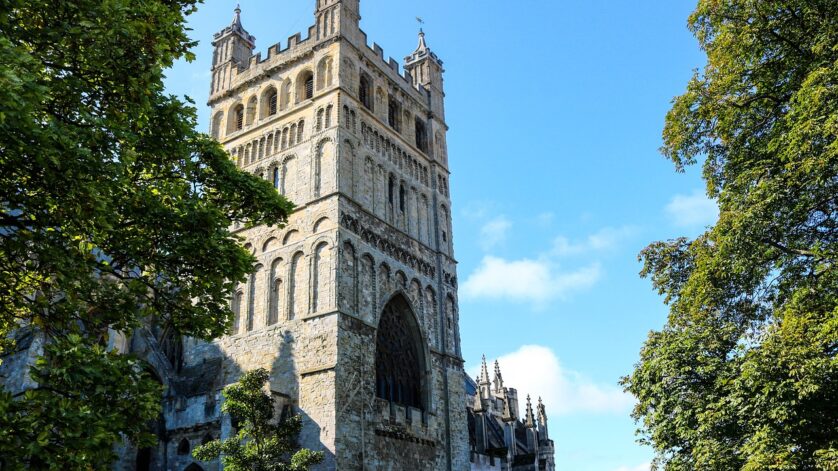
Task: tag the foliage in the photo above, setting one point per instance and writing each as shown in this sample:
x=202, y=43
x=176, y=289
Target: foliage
x=113, y=210
x=263, y=442
x=88, y=393
x=744, y=375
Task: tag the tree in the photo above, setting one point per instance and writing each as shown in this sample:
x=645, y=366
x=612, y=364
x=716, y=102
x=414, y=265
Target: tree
x=263, y=442
x=744, y=374
x=113, y=211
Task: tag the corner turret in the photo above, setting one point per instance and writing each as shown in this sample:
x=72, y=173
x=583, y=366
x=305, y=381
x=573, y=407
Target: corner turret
x=233, y=47
x=426, y=69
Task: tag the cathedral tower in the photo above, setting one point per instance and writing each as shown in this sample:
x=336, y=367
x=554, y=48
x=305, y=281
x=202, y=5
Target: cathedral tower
x=353, y=306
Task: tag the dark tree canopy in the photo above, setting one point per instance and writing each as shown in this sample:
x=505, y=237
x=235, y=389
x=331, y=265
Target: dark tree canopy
x=113, y=210
x=744, y=375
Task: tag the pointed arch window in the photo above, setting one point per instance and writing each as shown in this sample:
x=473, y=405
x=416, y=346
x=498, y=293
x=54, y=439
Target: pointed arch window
x=399, y=356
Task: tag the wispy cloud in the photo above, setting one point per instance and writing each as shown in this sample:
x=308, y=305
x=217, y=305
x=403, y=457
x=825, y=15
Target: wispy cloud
x=604, y=239
x=537, y=371
x=494, y=232
x=536, y=281
x=542, y=278
x=693, y=210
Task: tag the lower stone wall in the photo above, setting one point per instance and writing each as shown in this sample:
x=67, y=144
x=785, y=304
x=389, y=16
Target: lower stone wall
x=374, y=434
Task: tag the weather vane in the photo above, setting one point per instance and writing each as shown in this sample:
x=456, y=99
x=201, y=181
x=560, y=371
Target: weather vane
x=420, y=21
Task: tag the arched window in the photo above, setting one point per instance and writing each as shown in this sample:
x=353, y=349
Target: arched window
x=324, y=73
x=305, y=86
x=394, y=114
x=285, y=98
x=251, y=111
x=300, y=130
x=402, y=197
x=237, y=118
x=320, y=119
x=329, y=116
x=171, y=344
x=391, y=190
x=216, y=124
x=365, y=91
x=236, y=307
x=270, y=100
x=193, y=467
x=309, y=87
x=251, y=298
x=421, y=135
x=399, y=356
x=276, y=177
x=183, y=447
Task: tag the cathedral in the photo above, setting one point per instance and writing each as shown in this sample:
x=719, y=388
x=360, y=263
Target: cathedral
x=353, y=305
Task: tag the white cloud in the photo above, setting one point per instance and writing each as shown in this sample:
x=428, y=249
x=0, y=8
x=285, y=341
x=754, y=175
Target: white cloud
x=537, y=371
x=494, y=232
x=640, y=467
x=537, y=281
x=603, y=240
x=694, y=210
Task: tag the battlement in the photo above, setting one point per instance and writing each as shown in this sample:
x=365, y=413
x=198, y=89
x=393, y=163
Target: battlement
x=297, y=45
x=392, y=64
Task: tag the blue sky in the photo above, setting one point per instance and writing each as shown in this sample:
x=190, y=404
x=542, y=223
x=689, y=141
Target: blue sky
x=556, y=109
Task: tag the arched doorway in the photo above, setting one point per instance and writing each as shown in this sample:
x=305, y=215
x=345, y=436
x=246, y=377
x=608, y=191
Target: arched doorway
x=400, y=356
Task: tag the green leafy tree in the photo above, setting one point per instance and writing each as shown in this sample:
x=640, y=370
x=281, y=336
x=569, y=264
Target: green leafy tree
x=744, y=375
x=263, y=442
x=113, y=211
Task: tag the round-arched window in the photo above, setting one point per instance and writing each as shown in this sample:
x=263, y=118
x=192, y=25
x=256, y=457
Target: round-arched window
x=399, y=356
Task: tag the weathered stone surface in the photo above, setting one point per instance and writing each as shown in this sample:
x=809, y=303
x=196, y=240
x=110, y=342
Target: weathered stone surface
x=369, y=177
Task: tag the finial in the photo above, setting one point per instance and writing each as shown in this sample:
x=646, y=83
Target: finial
x=484, y=372
x=529, y=418
x=498, y=378
x=237, y=17
x=542, y=412
x=422, y=45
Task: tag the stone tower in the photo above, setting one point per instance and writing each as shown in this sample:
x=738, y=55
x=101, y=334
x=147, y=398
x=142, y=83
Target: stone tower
x=353, y=305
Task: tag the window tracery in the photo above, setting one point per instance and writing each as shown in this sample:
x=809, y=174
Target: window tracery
x=399, y=356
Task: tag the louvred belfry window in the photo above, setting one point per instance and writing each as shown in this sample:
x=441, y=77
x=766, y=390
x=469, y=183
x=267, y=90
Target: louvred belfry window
x=399, y=356
x=272, y=103
x=309, y=87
